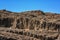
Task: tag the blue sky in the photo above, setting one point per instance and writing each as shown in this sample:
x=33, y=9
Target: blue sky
x=25, y=5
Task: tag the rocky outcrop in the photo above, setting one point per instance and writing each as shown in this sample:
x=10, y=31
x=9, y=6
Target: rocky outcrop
x=35, y=24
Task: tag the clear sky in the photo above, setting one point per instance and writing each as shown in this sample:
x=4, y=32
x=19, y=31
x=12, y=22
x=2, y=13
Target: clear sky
x=25, y=5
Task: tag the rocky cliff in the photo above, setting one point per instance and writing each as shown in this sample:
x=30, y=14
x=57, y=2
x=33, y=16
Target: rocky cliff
x=29, y=25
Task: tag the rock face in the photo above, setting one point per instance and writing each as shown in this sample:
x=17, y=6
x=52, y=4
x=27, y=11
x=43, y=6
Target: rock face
x=30, y=25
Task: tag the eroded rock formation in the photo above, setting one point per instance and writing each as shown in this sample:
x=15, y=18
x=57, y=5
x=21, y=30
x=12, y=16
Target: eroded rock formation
x=36, y=25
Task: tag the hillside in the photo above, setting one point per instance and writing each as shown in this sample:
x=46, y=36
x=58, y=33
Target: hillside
x=29, y=25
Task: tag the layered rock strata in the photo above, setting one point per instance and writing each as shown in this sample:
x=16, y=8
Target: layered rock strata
x=36, y=25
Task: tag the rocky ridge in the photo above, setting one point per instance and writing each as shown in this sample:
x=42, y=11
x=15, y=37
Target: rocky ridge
x=29, y=25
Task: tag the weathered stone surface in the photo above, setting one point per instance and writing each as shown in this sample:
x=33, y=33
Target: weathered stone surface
x=37, y=25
